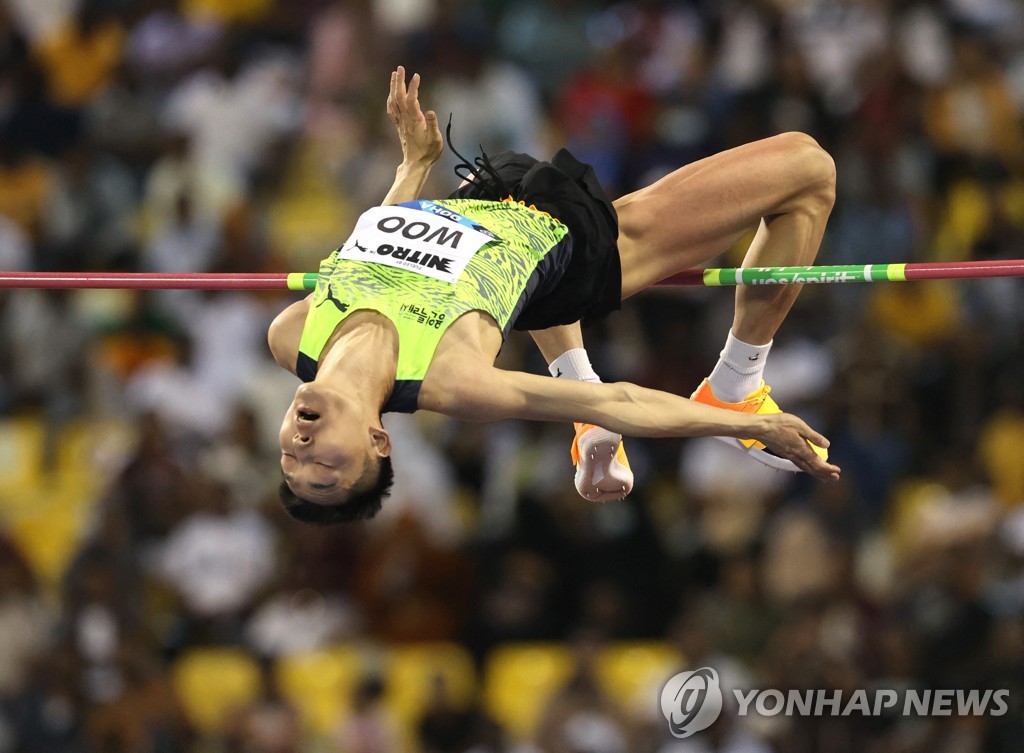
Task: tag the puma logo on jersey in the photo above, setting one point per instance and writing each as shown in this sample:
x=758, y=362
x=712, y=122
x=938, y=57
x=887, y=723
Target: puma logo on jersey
x=342, y=307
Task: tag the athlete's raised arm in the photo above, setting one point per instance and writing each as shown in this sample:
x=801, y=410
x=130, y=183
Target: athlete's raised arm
x=494, y=394
x=419, y=134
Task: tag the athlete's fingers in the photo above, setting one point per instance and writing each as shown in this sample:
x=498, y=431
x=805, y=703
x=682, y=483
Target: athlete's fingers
x=816, y=438
x=395, y=98
x=810, y=434
x=820, y=467
x=825, y=471
x=392, y=104
x=801, y=452
x=413, y=98
x=831, y=473
x=400, y=87
x=435, y=140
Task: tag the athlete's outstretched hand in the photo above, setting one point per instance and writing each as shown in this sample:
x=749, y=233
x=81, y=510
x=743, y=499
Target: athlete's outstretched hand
x=418, y=131
x=788, y=436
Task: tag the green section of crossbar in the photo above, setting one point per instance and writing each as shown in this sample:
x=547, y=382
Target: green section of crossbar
x=819, y=274
x=302, y=280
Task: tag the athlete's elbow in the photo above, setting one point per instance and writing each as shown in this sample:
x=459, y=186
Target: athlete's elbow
x=626, y=397
x=627, y=410
x=640, y=412
x=274, y=335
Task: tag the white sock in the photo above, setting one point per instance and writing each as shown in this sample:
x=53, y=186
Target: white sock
x=739, y=370
x=574, y=364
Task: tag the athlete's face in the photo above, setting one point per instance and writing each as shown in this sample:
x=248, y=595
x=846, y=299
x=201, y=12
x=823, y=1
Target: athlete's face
x=326, y=445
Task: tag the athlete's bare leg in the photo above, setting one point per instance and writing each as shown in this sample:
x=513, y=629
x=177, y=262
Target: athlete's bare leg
x=602, y=468
x=555, y=341
x=784, y=186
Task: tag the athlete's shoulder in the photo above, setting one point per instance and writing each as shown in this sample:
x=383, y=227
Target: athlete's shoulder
x=285, y=333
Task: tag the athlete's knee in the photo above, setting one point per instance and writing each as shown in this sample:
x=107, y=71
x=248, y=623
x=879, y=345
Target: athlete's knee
x=814, y=170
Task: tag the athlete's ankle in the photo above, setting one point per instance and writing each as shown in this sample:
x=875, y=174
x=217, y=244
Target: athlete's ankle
x=739, y=370
x=574, y=364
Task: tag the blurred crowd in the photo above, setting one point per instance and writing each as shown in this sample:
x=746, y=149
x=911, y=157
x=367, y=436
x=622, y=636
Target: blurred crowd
x=246, y=135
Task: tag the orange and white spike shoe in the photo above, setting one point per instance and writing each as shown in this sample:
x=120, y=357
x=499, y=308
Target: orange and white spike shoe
x=602, y=468
x=758, y=401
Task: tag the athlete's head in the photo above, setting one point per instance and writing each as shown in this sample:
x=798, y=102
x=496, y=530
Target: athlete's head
x=335, y=456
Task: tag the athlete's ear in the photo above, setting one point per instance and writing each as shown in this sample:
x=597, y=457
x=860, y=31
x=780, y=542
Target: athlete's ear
x=381, y=441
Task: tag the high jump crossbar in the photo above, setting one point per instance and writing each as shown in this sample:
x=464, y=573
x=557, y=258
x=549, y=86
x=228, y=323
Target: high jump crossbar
x=960, y=270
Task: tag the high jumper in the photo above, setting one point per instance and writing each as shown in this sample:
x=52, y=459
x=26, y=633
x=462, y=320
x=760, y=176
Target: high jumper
x=409, y=314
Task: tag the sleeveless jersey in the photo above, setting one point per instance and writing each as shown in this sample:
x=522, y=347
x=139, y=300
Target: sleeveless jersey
x=523, y=255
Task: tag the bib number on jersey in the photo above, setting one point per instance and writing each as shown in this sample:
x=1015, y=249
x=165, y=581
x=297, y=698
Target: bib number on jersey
x=429, y=244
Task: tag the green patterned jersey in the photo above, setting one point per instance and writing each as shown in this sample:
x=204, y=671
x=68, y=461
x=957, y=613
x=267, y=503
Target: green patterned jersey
x=422, y=265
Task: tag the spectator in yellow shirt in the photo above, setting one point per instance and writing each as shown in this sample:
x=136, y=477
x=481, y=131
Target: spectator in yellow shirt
x=80, y=57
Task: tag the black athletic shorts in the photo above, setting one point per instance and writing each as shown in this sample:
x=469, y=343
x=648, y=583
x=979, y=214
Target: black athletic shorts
x=568, y=190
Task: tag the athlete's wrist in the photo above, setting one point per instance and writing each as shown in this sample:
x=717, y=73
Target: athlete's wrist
x=763, y=427
x=413, y=164
x=747, y=426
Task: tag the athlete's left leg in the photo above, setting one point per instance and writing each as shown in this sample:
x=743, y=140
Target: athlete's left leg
x=784, y=187
x=602, y=468
x=554, y=341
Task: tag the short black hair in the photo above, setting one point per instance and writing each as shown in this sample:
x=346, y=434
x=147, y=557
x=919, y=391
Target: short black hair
x=360, y=506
